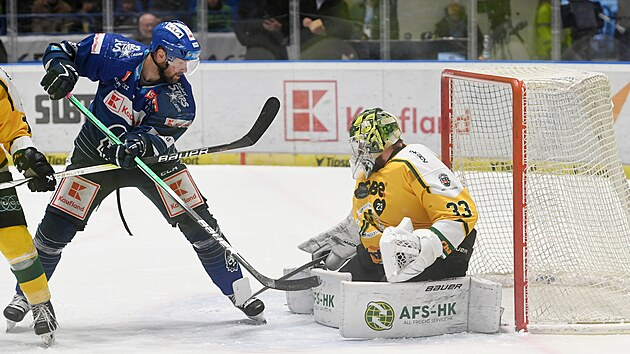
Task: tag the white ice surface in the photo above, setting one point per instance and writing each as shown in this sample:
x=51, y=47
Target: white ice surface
x=149, y=294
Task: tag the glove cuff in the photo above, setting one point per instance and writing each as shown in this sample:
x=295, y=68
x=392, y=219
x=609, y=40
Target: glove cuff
x=21, y=143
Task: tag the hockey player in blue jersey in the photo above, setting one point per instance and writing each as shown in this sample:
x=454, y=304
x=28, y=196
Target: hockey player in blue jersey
x=144, y=98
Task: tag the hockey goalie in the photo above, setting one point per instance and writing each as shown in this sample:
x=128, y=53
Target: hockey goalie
x=412, y=224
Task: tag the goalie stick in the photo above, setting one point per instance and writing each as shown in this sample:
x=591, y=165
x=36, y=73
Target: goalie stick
x=284, y=284
x=264, y=120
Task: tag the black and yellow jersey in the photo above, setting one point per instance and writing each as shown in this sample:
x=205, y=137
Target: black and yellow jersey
x=416, y=184
x=15, y=133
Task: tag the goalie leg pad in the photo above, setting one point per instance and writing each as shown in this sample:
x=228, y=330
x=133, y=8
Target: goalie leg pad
x=326, y=306
x=395, y=310
x=300, y=302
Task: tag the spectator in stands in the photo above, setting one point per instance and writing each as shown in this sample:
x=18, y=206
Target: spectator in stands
x=126, y=19
x=263, y=27
x=325, y=24
x=51, y=24
x=454, y=24
x=219, y=16
x=144, y=31
x=170, y=9
x=542, y=36
x=90, y=18
x=367, y=19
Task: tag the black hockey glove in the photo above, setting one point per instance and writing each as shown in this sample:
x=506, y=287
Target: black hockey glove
x=123, y=155
x=34, y=164
x=61, y=76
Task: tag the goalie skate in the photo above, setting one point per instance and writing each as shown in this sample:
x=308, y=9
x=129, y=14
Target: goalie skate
x=16, y=310
x=253, y=308
x=44, y=321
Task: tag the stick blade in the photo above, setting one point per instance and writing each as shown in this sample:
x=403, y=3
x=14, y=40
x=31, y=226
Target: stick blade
x=297, y=284
x=265, y=118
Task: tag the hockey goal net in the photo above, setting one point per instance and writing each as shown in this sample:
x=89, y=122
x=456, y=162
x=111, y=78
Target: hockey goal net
x=537, y=150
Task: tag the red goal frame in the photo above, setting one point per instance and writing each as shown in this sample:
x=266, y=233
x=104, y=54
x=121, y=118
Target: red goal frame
x=519, y=161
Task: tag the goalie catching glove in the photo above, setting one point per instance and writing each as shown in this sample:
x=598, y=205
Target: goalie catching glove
x=407, y=252
x=33, y=163
x=61, y=76
x=340, y=242
x=124, y=154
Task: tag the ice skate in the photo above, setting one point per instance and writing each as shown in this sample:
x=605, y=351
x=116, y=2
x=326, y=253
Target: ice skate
x=253, y=308
x=44, y=321
x=16, y=310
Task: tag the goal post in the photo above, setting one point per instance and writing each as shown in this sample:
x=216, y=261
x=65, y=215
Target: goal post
x=536, y=148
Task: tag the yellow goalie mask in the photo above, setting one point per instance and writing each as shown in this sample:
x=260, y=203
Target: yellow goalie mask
x=371, y=132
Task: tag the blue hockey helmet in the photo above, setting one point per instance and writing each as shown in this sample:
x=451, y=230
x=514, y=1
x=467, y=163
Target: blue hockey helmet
x=180, y=44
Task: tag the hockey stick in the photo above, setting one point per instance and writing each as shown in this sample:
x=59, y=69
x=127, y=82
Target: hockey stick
x=292, y=273
x=265, y=118
x=288, y=285
x=64, y=174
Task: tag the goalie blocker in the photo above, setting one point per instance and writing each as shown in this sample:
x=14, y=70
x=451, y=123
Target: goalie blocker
x=386, y=310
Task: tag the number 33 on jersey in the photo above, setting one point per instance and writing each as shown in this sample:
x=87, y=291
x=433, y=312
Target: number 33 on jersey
x=415, y=184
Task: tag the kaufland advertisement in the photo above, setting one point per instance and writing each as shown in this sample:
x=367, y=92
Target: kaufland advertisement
x=318, y=102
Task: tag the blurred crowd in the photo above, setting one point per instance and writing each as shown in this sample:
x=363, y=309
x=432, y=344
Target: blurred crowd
x=353, y=29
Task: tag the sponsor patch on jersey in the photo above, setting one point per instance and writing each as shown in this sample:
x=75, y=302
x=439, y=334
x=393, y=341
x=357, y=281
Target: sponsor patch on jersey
x=361, y=191
x=177, y=123
x=443, y=177
x=175, y=29
x=182, y=184
x=75, y=196
x=125, y=49
x=97, y=43
x=120, y=105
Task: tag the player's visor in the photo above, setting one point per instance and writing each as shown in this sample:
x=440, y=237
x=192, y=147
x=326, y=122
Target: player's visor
x=187, y=67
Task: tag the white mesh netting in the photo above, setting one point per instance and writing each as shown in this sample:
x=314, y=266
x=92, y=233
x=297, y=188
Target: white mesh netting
x=578, y=200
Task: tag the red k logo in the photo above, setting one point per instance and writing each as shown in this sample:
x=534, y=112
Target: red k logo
x=75, y=190
x=311, y=110
x=177, y=188
x=114, y=102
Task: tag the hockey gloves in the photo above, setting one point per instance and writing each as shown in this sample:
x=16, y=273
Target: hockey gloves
x=340, y=243
x=407, y=252
x=124, y=155
x=34, y=164
x=61, y=76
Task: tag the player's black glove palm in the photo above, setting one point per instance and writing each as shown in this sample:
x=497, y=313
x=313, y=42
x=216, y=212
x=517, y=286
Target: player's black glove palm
x=61, y=76
x=124, y=155
x=34, y=164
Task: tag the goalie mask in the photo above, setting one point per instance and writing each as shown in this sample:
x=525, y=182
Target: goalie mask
x=371, y=132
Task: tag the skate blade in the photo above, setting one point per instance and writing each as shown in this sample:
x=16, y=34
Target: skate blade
x=10, y=325
x=48, y=339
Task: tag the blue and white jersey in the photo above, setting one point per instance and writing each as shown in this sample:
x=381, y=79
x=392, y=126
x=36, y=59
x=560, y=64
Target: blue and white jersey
x=163, y=112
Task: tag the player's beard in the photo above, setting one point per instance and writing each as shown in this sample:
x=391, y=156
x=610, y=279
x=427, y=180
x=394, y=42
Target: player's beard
x=171, y=79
